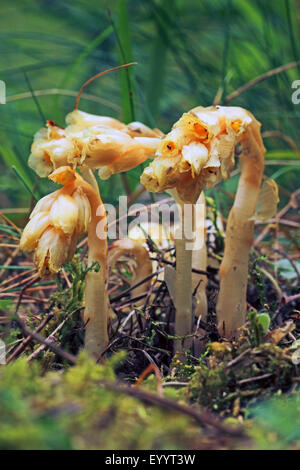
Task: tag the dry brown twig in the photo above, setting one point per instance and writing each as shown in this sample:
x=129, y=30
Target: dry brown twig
x=259, y=79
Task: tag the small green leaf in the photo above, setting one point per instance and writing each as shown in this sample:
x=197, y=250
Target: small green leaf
x=263, y=319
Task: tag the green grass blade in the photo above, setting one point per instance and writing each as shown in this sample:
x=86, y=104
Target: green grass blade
x=25, y=268
x=158, y=63
x=36, y=101
x=291, y=14
x=125, y=53
x=99, y=39
x=284, y=170
x=11, y=159
x=26, y=186
x=282, y=155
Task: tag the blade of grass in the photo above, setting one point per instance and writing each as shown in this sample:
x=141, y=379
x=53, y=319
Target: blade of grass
x=36, y=101
x=226, y=46
x=11, y=159
x=26, y=186
x=7, y=229
x=284, y=170
x=143, y=103
x=282, y=155
x=99, y=39
x=3, y=266
x=58, y=91
x=292, y=30
x=158, y=63
x=122, y=32
x=172, y=32
x=39, y=66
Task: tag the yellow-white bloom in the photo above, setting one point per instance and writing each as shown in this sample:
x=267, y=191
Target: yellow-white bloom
x=84, y=210
x=55, y=225
x=44, y=204
x=83, y=120
x=98, y=142
x=198, y=151
x=64, y=213
x=50, y=150
x=53, y=250
x=33, y=230
x=110, y=150
x=138, y=129
x=194, y=157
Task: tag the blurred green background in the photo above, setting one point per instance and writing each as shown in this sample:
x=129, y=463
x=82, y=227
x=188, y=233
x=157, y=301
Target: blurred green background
x=187, y=52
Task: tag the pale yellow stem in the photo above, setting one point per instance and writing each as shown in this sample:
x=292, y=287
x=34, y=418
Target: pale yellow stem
x=96, y=296
x=231, y=306
x=183, y=280
x=89, y=176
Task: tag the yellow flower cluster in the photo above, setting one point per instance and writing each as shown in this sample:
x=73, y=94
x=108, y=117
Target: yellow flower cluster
x=56, y=222
x=96, y=142
x=198, y=151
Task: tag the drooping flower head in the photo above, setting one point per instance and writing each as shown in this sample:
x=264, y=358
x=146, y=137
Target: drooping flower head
x=198, y=151
x=56, y=223
x=96, y=142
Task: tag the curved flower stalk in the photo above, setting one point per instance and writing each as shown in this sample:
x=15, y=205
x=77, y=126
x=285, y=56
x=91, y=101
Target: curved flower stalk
x=197, y=153
x=231, y=306
x=52, y=232
x=143, y=265
x=94, y=142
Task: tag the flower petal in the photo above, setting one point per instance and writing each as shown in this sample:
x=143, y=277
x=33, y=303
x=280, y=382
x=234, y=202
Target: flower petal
x=44, y=204
x=194, y=156
x=64, y=213
x=84, y=211
x=82, y=119
x=51, y=252
x=33, y=230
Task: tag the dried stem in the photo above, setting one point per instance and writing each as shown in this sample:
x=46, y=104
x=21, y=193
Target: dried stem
x=97, y=76
x=259, y=79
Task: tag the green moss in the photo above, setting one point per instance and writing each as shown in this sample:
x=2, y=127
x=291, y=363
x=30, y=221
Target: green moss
x=71, y=410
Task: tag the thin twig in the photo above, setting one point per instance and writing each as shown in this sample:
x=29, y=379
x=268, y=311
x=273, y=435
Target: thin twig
x=259, y=79
x=29, y=283
x=52, y=334
x=282, y=136
x=204, y=419
x=127, y=291
x=37, y=337
x=27, y=340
